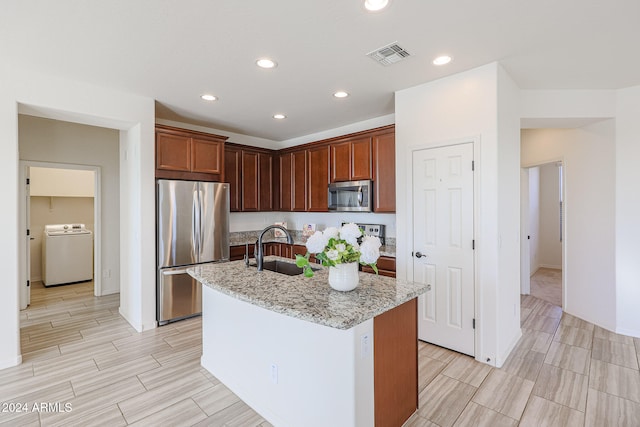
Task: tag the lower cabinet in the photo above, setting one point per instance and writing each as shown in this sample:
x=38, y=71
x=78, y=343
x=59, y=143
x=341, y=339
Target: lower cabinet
x=270, y=248
x=386, y=267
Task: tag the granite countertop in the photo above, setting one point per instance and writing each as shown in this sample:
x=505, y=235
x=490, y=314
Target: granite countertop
x=310, y=299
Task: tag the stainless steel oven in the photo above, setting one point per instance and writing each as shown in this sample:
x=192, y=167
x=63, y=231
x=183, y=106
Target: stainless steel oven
x=351, y=196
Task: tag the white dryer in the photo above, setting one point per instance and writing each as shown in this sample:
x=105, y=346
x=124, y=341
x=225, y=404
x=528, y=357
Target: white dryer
x=67, y=254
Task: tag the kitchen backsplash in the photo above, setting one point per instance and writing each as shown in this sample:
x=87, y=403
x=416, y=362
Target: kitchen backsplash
x=243, y=221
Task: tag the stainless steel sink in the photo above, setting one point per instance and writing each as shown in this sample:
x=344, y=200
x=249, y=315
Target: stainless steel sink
x=283, y=267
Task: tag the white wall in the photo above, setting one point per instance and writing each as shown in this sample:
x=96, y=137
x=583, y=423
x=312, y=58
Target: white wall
x=550, y=245
x=465, y=107
x=56, y=210
x=64, y=182
x=627, y=211
x=82, y=103
x=589, y=177
x=534, y=219
x=247, y=221
x=55, y=141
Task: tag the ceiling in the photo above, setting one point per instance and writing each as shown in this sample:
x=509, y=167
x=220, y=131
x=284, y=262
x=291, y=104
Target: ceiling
x=175, y=50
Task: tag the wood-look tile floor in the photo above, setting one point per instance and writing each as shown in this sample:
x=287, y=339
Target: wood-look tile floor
x=78, y=350
x=546, y=284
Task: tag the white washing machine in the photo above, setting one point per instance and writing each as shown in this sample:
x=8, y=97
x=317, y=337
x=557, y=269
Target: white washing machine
x=67, y=254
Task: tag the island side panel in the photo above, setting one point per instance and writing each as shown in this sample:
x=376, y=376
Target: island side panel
x=323, y=379
x=395, y=340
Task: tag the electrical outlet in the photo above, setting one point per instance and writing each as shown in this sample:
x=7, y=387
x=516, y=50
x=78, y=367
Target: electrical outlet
x=106, y=274
x=365, y=346
x=274, y=373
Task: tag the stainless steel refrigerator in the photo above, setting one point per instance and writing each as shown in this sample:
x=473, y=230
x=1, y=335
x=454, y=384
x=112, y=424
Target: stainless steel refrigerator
x=193, y=228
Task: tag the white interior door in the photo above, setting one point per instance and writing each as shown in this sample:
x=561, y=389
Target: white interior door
x=443, y=245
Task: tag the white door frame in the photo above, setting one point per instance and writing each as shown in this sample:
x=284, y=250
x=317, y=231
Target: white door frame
x=97, y=232
x=524, y=222
x=476, y=142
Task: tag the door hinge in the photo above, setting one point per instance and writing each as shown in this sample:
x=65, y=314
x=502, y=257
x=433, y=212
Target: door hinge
x=28, y=232
x=28, y=181
x=474, y=323
x=473, y=165
x=28, y=283
x=473, y=244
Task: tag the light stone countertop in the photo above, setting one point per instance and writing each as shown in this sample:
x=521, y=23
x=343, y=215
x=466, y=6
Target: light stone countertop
x=310, y=299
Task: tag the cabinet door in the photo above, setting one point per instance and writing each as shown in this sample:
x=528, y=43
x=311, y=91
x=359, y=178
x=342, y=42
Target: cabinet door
x=285, y=181
x=318, y=181
x=249, y=181
x=206, y=156
x=384, y=173
x=173, y=152
x=298, y=250
x=340, y=161
x=265, y=182
x=232, y=164
x=299, y=181
x=361, y=159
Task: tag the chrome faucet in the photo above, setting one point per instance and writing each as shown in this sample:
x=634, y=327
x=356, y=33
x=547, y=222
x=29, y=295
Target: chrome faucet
x=259, y=252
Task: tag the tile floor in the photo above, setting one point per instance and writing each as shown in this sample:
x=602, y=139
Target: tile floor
x=546, y=284
x=78, y=350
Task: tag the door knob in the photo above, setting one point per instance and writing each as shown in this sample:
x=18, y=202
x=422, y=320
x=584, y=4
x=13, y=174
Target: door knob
x=420, y=255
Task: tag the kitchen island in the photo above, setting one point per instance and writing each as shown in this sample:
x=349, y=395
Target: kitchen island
x=300, y=353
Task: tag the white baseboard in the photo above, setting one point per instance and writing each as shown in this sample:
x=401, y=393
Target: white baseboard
x=15, y=361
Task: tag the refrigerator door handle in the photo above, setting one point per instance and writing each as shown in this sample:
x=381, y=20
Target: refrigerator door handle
x=174, y=272
x=196, y=223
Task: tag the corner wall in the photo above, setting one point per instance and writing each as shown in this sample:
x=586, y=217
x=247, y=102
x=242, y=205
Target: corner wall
x=589, y=233
x=54, y=141
x=68, y=100
x=627, y=211
x=453, y=109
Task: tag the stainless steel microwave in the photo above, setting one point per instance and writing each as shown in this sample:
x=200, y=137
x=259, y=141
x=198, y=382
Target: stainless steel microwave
x=351, y=196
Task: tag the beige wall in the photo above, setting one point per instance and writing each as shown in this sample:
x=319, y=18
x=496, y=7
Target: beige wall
x=54, y=141
x=55, y=210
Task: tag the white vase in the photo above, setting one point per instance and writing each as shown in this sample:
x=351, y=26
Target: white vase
x=344, y=277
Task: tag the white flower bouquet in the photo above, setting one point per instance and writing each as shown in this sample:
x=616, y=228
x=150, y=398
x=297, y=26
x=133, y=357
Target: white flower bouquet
x=333, y=247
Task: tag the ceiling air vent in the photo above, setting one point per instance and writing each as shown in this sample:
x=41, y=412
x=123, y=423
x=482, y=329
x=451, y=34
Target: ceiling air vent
x=389, y=54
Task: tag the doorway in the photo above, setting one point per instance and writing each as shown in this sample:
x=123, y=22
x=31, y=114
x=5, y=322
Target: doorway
x=542, y=222
x=57, y=193
x=443, y=245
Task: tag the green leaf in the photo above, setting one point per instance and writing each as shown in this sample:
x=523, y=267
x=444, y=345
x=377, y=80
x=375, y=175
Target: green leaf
x=302, y=261
x=308, y=272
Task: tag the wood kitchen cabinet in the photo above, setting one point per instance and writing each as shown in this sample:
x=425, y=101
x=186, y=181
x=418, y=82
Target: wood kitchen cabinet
x=318, y=179
x=299, y=181
x=285, y=181
x=232, y=168
x=386, y=267
x=249, y=172
x=384, y=171
x=351, y=159
x=189, y=155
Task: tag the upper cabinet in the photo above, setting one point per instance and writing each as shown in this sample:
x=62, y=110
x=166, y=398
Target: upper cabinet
x=249, y=172
x=351, y=159
x=295, y=179
x=318, y=181
x=384, y=171
x=189, y=155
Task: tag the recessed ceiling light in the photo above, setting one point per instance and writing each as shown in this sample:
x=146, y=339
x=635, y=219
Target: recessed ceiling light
x=442, y=60
x=266, y=63
x=279, y=116
x=341, y=94
x=208, y=97
x=375, y=5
